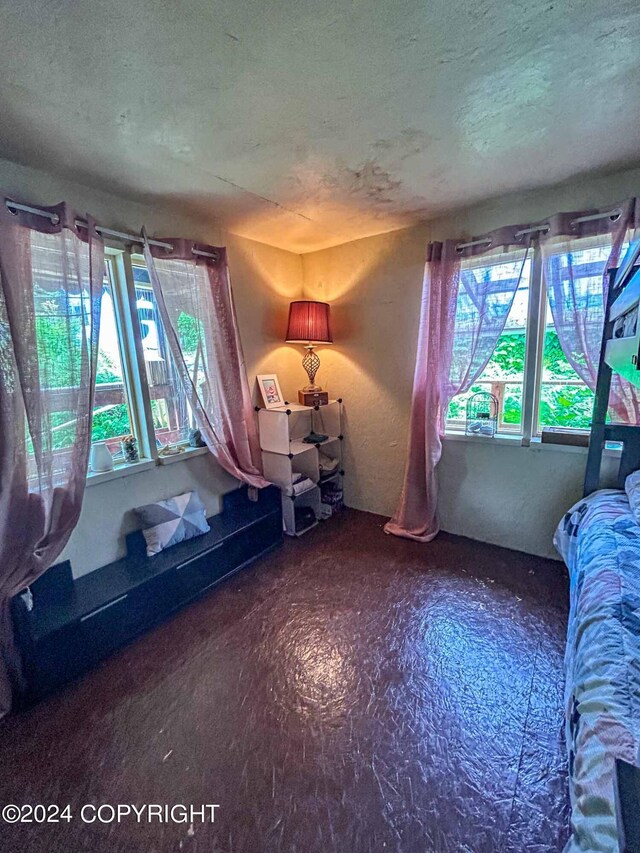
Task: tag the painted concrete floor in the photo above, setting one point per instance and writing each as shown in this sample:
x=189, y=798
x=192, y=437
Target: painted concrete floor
x=353, y=692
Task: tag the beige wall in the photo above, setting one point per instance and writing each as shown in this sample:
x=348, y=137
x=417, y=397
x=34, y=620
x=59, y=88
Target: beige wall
x=373, y=286
x=264, y=281
x=510, y=496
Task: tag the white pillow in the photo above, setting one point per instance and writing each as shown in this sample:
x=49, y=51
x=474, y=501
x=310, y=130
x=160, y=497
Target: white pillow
x=166, y=523
x=632, y=488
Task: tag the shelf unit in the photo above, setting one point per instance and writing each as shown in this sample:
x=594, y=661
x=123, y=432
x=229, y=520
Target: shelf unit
x=286, y=455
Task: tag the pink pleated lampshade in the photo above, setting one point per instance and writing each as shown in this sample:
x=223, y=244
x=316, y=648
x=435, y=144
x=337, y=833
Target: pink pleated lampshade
x=309, y=322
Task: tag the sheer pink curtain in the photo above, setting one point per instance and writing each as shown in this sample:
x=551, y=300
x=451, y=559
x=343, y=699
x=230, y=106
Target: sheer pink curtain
x=195, y=302
x=577, y=281
x=51, y=278
x=453, y=350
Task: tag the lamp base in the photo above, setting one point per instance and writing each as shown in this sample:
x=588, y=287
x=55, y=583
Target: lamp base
x=311, y=363
x=313, y=398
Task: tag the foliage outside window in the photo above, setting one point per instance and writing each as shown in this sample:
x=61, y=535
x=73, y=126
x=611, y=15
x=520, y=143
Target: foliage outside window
x=503, y=375
x=60, y=319
x=563, y=398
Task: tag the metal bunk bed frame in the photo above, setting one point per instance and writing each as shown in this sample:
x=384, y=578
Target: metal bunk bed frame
x=612, y=353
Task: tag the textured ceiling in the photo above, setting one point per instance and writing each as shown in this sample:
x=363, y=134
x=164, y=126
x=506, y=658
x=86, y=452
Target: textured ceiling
x=305, y=124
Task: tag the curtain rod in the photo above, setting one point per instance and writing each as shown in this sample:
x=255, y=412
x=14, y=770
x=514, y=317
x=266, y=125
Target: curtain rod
x=613, y=215
x=106, y=232
x=542, y=229
x=482, y=242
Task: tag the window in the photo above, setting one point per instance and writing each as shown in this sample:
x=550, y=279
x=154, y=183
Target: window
x=560, y=395
x=132, y=343
x=564, y=399
x=503, y=375
x=172, y=416
x=111, y=415
x=62, y=318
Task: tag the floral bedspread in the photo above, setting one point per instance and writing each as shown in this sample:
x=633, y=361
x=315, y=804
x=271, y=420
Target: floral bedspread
x=599, y=540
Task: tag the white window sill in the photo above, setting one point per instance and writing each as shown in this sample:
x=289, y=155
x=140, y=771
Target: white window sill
x=517, y=441
x=187, y=453
x=501, y=438
x=123, y=469
x=537, y=444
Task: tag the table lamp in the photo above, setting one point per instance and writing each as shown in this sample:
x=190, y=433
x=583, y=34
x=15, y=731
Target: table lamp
x=310, y=325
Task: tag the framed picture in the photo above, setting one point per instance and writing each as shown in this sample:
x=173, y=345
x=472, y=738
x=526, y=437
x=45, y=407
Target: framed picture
x=270, y=390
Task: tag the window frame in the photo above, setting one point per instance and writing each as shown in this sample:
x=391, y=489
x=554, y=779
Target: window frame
x=119, y=261
x=136, y=259
x=131, y=348
x=511, y=432
x=122, y=347
x=530, y=430
x=127, y=321
x=114, y=271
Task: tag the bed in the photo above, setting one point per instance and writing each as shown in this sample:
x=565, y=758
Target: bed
x=599, y=540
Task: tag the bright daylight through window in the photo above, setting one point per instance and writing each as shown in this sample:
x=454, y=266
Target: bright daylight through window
x=111, y=417
x=504, y=374
x=562, y=398
x=172, y=417
x=62, y=320
x=565, y=400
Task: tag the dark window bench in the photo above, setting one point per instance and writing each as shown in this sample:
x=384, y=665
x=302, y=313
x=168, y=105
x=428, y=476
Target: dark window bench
x=76, y=623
